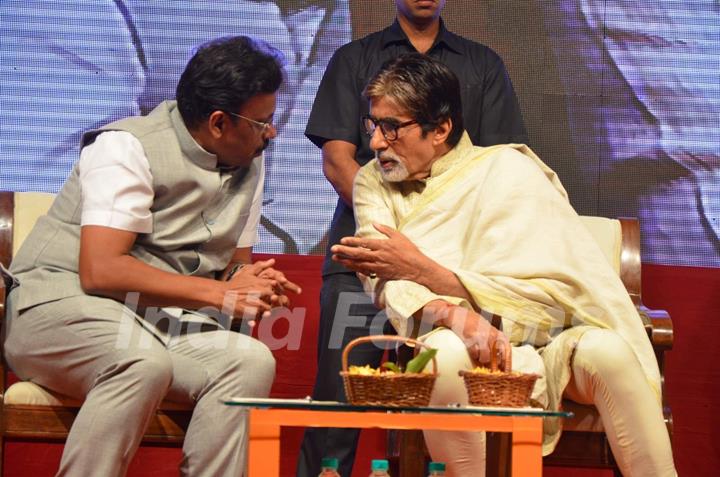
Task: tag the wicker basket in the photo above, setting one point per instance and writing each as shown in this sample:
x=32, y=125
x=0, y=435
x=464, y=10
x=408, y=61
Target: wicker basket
x=393, y=390
x=503, y=389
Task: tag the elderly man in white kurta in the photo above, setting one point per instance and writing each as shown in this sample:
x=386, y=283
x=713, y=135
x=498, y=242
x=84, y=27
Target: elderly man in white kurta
x=449, y=233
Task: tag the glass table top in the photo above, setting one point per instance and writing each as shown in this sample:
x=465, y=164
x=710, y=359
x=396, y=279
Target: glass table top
x=311, y=405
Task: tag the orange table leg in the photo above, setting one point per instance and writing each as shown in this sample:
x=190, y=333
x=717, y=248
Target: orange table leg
x=263, y=445
x=526, y=447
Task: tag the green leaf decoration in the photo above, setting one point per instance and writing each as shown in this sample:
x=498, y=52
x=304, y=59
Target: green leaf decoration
x=391, y=366
x=418, y=363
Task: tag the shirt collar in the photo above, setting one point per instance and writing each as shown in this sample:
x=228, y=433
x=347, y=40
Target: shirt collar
x=188, y=144
x=455, y=156
x=395, y=34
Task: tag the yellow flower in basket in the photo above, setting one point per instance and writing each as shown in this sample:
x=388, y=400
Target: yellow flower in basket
x=389, y=385
x=388, y=368
x=484, y=370
x=494, y=387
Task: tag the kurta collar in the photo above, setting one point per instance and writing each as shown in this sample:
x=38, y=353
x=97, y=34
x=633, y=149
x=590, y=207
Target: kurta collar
x=188, y=145
x=395, y=34
x=453, y=157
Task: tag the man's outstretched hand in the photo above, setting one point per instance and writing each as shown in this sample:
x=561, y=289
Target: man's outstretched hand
x=393, y=258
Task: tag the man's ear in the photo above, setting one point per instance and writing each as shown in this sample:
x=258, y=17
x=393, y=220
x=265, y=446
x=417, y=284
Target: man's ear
x=217, y=123
x=442, y=131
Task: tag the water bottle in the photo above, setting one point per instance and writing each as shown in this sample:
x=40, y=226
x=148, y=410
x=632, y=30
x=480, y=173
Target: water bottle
x=329, y=466
x=436, y=469
x=379, y=468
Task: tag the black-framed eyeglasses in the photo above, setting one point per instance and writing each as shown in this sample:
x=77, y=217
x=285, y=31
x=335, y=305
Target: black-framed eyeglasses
x=388, y=127
x=262, y=127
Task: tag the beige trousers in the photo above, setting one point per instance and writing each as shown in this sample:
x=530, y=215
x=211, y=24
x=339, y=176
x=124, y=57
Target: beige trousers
x=605, y=373
x=85, y=348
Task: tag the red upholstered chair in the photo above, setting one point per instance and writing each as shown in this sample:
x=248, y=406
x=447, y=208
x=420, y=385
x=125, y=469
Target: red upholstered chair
x=27, y=411
x=583, y=442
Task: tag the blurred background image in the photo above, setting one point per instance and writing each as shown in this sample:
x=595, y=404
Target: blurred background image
x=621, y=98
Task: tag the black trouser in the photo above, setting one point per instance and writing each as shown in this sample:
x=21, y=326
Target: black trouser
x=346, y=313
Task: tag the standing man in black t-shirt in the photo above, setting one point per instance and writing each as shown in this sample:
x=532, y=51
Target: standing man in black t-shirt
x=492, y=116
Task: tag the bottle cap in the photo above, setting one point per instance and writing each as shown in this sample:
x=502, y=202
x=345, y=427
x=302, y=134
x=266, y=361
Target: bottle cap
x=331, y=462
x=436, y=466
x=379, y=464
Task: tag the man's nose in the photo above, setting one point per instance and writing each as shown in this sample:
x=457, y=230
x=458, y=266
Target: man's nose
x=271, y=132
x=378, y=141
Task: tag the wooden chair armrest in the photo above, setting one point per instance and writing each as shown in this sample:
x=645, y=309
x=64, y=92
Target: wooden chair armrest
x=660, y=331
x=659, y=327
x=2, y=352
x=2, y=302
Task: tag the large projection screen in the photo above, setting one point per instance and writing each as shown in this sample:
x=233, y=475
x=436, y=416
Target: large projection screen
x=621, y=98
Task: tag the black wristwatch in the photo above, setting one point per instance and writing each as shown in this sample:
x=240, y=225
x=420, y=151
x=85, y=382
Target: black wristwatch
x=234, y=269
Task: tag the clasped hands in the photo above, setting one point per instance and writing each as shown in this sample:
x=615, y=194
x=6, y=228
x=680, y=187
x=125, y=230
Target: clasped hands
x=257, y=288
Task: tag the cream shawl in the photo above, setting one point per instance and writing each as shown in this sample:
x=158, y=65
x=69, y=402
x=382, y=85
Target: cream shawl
x=499, y=218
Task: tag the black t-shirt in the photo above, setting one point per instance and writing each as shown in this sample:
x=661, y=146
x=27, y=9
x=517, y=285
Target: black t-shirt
x=490, y=109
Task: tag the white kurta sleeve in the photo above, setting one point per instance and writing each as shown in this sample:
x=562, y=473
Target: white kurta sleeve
x=116, y=183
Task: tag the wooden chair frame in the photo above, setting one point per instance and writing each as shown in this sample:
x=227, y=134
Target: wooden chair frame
x=591, y=449
x=576, y=448
x=52, y=424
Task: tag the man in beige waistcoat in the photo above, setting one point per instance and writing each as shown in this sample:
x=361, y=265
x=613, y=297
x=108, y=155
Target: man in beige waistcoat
x=127, y=291
x=450, y=234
